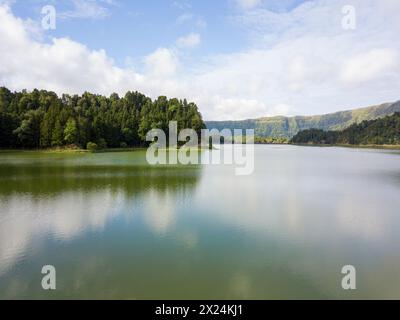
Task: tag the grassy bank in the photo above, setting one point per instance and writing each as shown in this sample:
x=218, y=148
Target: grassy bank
x=44, y=150
x=70, y=150
x=78, y=150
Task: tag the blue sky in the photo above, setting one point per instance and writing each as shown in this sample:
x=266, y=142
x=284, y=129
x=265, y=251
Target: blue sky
x=236, y=59
x=136, y=28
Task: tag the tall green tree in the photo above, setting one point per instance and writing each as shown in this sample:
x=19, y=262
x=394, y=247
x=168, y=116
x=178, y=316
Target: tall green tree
x=57, y=135
x=28, y=132
x=71, y=132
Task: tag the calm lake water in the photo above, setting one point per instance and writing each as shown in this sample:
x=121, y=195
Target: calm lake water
x=115, y=228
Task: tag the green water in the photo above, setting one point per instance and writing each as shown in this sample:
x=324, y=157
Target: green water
x=116, y=228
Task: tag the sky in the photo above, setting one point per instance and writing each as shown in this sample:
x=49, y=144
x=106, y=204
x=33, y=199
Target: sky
x=236, y=59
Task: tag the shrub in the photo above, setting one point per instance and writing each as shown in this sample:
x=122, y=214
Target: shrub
x=91, y=146
x=102, y=144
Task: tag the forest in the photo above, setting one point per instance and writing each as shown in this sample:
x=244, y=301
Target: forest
x=383, y=131
x=40, y=119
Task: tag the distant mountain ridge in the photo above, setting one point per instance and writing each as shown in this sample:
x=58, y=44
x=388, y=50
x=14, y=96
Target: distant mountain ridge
x=287, y=127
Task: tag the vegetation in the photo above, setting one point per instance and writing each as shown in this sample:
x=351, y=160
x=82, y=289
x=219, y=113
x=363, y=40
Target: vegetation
x=257, y=140
x=384, y=131
x=287, y=127
x=263, y=140
x=41, y=119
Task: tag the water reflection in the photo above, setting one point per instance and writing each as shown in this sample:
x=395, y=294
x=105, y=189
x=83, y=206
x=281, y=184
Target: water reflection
x=117, y=228
x=42, y=200
x=309, y=193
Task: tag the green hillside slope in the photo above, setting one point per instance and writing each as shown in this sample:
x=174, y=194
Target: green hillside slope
x=382, y=131
x=287, y=127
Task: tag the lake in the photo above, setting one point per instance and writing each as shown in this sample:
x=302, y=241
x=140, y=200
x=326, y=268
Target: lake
x=116, y=228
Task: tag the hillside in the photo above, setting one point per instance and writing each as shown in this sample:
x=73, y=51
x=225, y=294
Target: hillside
x=287, y=127
x=382, y=131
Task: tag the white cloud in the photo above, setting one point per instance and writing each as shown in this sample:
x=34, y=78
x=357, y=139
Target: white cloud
x=370, y=65
x=88, y=9
x=184, y=18
x=248, y=4
x=69, y=66
x=161, y=63
x=305, y=61
x=198, y=22
x=231, y=108
x=189, y=41
x=181, y=4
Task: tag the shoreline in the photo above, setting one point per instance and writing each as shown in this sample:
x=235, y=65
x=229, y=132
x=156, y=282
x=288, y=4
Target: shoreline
x=355, y=146
x=71, y=151
x=116, y=150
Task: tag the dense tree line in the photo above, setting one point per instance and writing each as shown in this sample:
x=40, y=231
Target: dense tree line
x=271, y=140
x=379, y=132
x=41, y=119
